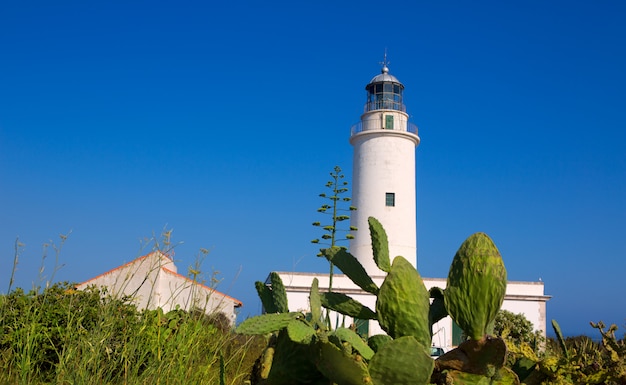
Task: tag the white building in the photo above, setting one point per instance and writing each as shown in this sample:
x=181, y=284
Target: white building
x=383, y=186
x=521, y=297
x=152, y=281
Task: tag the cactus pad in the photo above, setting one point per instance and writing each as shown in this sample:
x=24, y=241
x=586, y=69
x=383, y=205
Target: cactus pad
x=401, y=361
x=380, y=244
x=315, y=303
x=278, y=293
x=403, y=303
x=351, y=267
x=356, y=341
x=292, y=363
x=300, y=332
x=377, y=341
x=265, y=294
x=344, y=304
x=266, y=362
x=341, y=368
x=437, y=309
x=476, y=285
x=267, y=323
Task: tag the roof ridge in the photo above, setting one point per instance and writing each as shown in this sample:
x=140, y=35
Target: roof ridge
x=238, y=302
x=166, y=255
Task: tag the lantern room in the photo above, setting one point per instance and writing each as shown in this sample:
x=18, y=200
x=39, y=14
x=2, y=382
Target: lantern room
x=384, y=92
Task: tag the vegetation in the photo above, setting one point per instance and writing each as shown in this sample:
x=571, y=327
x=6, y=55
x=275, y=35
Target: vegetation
x=58, y=335
x=333, y=233
x=63, y=336
x=517, y=329
x=577, y=360
x=302, y=350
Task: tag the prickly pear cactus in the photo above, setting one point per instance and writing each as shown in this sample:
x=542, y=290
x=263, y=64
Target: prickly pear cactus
x=303, y=352
x=403, y=303
x=340, y=366
x=346, y=305
x=279, y=294
x=265, y=362
x=298, y=331
x=316, y=304
x=437, y=307
x=274, y=298
x=292, y=363
x=380, y=244
x=355, y=341
x=351, y=267
x=476, y=285
x=265, y=294
x=403, y=361
x=267, y=323
x=378, y=341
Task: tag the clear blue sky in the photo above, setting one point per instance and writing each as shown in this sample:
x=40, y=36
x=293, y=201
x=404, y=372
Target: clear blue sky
x=222, y=122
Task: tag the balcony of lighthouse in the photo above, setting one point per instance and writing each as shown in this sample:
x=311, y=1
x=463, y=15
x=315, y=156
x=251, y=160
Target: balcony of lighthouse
x=379, y=124
x=384, y=104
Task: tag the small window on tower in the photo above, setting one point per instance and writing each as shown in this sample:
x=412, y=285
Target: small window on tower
x=389, y=122
x=390, y=199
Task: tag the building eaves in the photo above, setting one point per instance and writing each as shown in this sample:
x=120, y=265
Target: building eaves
x=237, y=302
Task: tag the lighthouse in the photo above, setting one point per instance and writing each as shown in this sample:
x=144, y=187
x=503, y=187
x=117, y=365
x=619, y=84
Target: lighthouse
x=383, y=176
x=383, y=186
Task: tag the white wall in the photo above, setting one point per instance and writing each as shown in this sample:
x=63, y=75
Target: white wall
x=521, y=297
x=152, y=282
x=384, y=162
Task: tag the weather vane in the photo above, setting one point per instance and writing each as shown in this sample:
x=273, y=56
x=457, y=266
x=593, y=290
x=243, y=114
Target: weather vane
x=384, y=63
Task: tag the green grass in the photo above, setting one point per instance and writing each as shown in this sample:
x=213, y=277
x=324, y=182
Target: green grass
x=58, y=335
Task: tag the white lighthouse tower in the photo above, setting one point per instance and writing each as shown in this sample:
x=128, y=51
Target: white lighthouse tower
x=383, y=180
